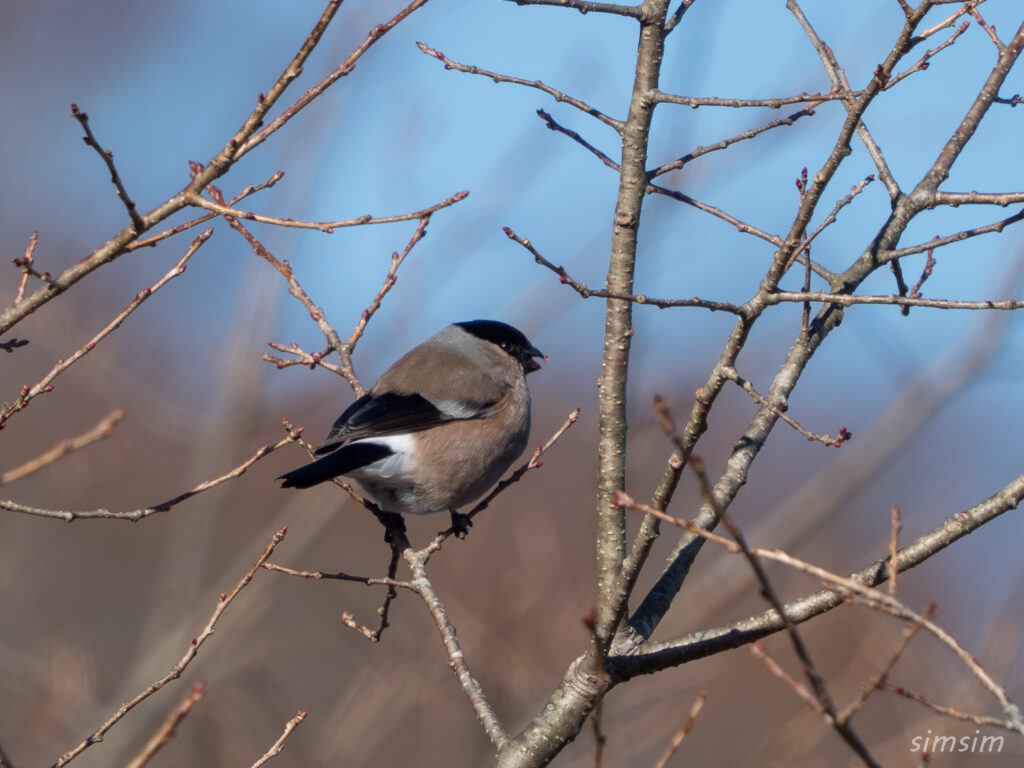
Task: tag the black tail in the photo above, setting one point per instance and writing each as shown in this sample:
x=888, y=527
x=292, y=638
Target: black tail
x=340, y=462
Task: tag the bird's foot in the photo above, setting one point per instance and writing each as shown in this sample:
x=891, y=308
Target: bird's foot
x=460, y=524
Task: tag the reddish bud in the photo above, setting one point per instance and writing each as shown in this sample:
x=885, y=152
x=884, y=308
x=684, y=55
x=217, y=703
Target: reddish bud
x=366, y=314
x=329, y=230
x=538, y=464
x=589, y=619
x=223, y=597
x=48, y=388
x=316, y=316
x=261, y=97
x=507, y=231
x=250, y=215
x=74, y=109
x=195, y=641
x=563, y=280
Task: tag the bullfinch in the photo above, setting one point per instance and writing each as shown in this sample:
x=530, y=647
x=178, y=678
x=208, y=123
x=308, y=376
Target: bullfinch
x=440, y=426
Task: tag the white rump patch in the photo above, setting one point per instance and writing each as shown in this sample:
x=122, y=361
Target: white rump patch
x=400, y=462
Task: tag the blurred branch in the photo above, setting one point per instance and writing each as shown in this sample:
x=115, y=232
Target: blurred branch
x=279, y=744
x=684, y=729
x=166, y=732
x=376, y=33
x=176, y=671
x=104, y=429
x=138, y=514
x=948, y=711
x=45, y=384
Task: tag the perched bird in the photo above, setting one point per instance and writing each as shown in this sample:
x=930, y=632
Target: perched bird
x=439, y=427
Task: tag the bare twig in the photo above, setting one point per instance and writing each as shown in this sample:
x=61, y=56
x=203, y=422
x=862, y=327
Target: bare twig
x=847, y=300
x=224, y=601
x=349, y=345
x=249, y=190
x=780, y=409
x=534, y=462
x=894, y=548
x=222, y=209
x=585, y=6
x=108, y=158
x=948, y=711
x=586, y=293
x=104, y=429
x=46, y=383
x=26, y=263
x=279, y=744
x=854, y=589
x=879, y=681
x=724, y=143
x=777, y=671
x=498, y=78
x=138, y=514
x=376, y=33
x=684, y=729
x=167, y=729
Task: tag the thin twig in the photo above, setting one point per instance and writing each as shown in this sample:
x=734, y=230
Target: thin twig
x=323, y=226
x=135, y=515
x=878, y=681
x=224, y=601
x=376, y=33
x=684, y=729
x=26, y=263
x=853, y=589
x=104, y=429
x=894, y=547
x=498, y=78
x=349, y=345
x=108, y=158
x=28, y=393
x=534, y=462
x=780, y=410
x=249, y=190
x=777, y=671
x=168, y=728
x=586, y=293
x=279, y=744
x=846, y=300
x=948, y=711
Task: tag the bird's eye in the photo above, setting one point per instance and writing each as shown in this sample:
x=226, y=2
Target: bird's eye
x=505, y=345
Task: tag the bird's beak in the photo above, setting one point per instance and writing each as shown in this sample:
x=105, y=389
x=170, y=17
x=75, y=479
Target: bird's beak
x=530, y=365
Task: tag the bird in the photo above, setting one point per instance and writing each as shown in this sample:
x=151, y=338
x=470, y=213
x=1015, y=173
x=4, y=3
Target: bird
x=440, y=426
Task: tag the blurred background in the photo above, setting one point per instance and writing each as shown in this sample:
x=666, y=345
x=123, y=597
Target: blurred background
x=95, y=611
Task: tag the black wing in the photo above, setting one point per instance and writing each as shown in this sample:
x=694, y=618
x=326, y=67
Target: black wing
x=390, y=413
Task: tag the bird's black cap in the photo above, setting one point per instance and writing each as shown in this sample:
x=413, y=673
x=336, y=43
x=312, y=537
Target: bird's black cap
x=510, y=339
